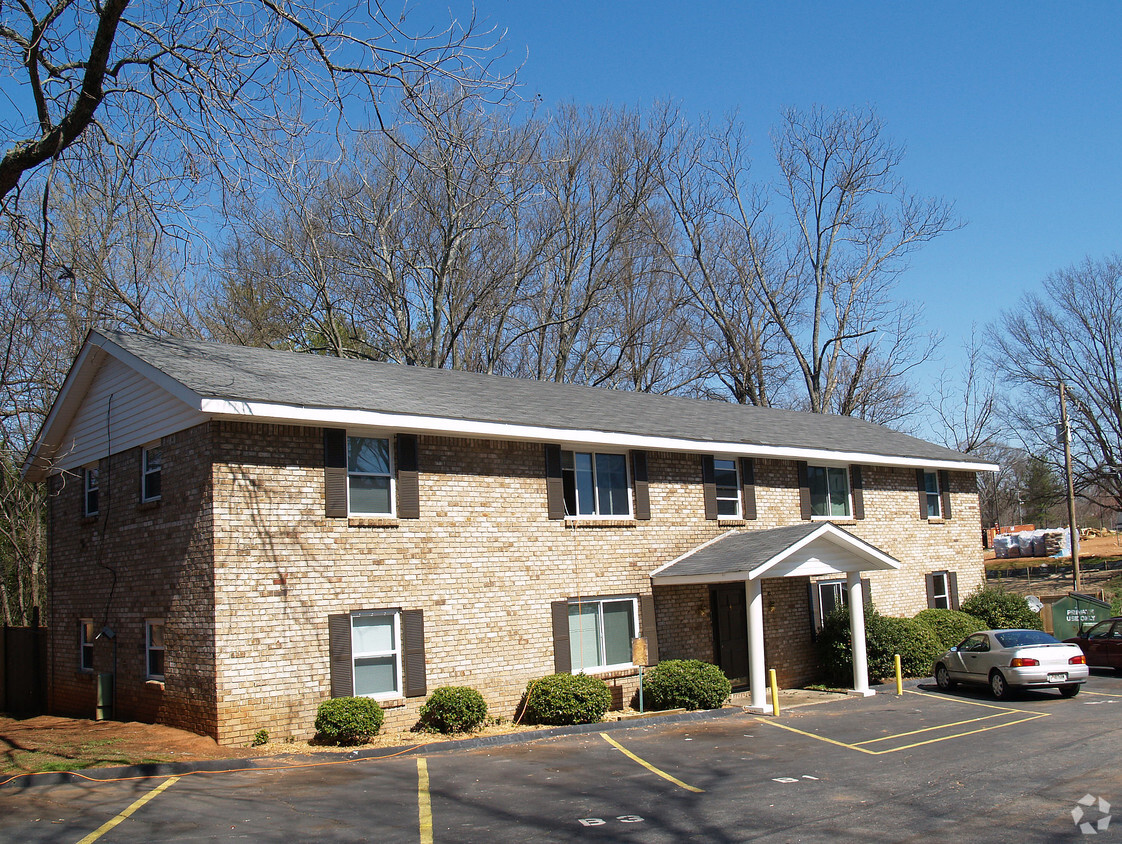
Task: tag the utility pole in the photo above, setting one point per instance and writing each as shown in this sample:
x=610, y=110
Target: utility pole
x=1066, y=433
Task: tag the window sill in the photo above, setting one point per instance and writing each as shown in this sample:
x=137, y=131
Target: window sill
x=373, y=521
x=89, y=518
x=731, y=521
x=837, y=520
x=611, y=674
x=151, y=683
x=149, y=505
x=391, y=703
x=936, y=521
x=601, y=523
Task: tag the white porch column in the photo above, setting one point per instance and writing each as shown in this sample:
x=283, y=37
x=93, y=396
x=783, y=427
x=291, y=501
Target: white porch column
x=857, y=633
x=753, y=591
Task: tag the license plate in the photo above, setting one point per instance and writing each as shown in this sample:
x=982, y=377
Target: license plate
x=1056, y=678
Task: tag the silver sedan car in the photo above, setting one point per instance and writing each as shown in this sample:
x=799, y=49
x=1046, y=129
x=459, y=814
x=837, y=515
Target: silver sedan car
x=1006, y=660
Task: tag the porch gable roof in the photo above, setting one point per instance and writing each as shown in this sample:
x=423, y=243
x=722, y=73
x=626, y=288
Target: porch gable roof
x=811, y=548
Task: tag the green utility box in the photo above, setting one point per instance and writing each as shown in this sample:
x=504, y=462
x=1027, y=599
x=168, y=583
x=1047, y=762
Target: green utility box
x=1076, y=611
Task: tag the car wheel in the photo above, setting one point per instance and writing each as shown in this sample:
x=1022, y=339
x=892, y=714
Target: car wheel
x=1070, y=690
x=998, y=686
x=943, y=678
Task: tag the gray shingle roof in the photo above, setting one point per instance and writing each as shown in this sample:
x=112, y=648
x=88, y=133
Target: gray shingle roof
x=214, y=370
x=737, y=553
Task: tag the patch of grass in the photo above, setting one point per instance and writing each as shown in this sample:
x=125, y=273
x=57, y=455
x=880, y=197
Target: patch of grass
x=105, y=742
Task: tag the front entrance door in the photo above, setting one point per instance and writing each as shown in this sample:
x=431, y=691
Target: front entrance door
x=730, y=631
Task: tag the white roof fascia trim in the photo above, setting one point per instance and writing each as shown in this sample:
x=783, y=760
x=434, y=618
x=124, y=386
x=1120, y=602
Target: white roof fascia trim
x=692, y=579
x=693, y=551
x=268, y=412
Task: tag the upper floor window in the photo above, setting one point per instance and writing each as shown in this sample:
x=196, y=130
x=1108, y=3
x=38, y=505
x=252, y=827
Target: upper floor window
x=86, y=637
x=933, y=495
x=600, y=633
x=154, y=649
x=369, y=476
x=90, y=490
x=595, y=484
x=727, y=480
x=151, y=462
x=829, y=491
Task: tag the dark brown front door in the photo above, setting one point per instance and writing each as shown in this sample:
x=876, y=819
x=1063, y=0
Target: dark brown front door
x=730, y=631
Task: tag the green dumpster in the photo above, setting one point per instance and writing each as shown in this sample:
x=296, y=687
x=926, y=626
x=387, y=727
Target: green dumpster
x=1075, y=611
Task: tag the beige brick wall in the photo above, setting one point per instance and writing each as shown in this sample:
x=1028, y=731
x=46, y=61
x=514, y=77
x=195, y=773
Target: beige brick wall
x=483, y=562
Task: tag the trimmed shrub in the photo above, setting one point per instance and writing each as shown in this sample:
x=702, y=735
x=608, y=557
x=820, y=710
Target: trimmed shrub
x=561, y=699
x=950, y=626
x=348, y=720
x=260, y=738
x=453, y=709
x=885, y=637
x=997, y=609
x=686, y=684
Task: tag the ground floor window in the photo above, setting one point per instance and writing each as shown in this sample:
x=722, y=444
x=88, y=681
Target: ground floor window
x=832, y=595
x=376, y=654
x=86, y=636
x=942, y=590
x=600, y=632
x=154, y=649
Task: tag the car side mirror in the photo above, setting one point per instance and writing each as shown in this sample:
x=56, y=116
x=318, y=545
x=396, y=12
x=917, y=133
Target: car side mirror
x=955, y=648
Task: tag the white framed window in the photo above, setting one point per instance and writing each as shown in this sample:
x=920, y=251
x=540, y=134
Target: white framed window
x=86, y=635
x=940, y=591
x=934, y=498
x=595, y=484
x=376, y=653
x=600, y=633
x=829, y=491
x=90, y=483
x=151, y=462
x=726, y=476
x=154, y=648
x=832, y=594
x=369, y=476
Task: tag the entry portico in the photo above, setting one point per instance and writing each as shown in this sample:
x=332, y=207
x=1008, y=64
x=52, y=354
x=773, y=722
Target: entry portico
x=803, y=550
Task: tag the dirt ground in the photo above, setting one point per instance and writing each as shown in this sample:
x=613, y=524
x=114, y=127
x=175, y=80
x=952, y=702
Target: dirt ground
x=1044, y=584
x=49, y=743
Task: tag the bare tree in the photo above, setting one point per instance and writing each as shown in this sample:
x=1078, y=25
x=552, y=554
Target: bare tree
x=1069, y=333
x=211, y=77
x=849, y=225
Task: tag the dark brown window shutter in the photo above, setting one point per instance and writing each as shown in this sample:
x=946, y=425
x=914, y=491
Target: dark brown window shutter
x=709, y=486
x=335, y=472
x=642, y=487
x=814, y=600
x=945, y=492
x=562, y=657
x=921, y=486
x=952, y=589
x=554, y=487
x=413, y=645
x=804, y=490
x=857, y=488
x=339, y=652
x=650, y=631
x=930, y=578
x=866, y=591
x=408, y=491
x=748, y=486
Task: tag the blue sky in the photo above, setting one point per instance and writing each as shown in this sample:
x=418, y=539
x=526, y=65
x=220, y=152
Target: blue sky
x=1010, y=110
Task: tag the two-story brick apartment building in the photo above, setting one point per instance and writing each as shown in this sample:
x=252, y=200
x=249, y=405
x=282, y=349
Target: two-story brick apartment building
x=237, y=533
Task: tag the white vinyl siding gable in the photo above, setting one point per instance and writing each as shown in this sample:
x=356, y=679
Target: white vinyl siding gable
x=126, y=408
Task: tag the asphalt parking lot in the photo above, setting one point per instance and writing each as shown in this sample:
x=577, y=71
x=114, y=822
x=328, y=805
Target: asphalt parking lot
x=885, y=768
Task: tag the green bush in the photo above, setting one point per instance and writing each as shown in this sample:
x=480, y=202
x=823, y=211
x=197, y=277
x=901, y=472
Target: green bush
x=950, y=626
x=348, y=720
x=261, y=737
x=686, y=684
x=885, y=637
x=566, y=699
x=453, y=709
x=997, y=608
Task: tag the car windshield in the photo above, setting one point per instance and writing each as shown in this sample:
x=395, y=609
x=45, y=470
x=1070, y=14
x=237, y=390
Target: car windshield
x=1019, y=638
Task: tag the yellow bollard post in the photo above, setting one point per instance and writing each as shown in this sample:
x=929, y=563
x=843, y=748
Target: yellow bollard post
x=899, y=677
x=774, y=691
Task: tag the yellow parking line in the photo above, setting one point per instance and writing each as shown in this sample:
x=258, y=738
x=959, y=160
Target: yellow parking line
x=972, y=702
x=1100, y=694
x=820, y=738
x=108, y=825
x=424, y=802
x=929, y=729
x=967, y=733
x=648, y=765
